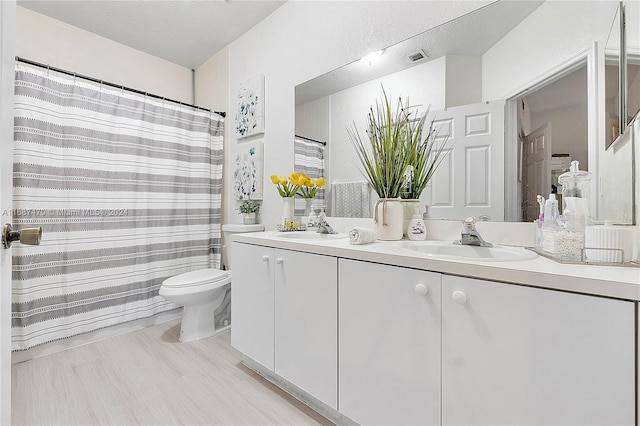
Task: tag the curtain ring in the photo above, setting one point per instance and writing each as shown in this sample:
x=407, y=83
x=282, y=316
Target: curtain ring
x=47, y=70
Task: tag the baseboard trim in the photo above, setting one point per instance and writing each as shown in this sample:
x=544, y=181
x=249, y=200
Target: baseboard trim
x=299, y=394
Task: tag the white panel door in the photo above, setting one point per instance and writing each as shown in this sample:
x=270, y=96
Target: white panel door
x=389, y=344
x=7, y=49
x=536, y=179
x=306, y=323
x=470, y=180
x=252, y=302
x=514, y=355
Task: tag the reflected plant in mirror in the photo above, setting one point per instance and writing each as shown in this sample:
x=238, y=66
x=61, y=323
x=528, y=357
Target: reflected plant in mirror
x=424, y=155
x=383, y=157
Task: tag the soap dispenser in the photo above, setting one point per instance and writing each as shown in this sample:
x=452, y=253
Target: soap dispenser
x=416, y=231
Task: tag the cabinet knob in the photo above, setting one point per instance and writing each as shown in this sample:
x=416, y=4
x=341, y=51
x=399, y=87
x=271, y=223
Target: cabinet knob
x=265, y=258
x=279, y=260
x=421, y=289
x=459, y=297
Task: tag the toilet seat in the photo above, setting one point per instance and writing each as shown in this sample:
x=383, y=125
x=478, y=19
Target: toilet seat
x=196, y=278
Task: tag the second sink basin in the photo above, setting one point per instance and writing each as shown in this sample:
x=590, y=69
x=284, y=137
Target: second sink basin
x=309, y=236
x=448, y=250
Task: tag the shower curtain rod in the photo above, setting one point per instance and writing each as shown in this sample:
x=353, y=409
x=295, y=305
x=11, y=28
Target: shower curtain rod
x=311, y=140
x=118, y=86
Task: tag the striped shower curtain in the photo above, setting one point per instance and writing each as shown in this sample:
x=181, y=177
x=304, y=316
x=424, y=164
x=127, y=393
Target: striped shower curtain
x=308, y=157
x=127, y=190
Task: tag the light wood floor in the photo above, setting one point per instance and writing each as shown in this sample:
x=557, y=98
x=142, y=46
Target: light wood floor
x=147, y=377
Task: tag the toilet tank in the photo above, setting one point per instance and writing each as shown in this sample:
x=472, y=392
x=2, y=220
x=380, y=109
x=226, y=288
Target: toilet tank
x=235, y=228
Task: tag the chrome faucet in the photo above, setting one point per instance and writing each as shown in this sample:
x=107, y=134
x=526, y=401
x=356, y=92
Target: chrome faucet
x=323, y=226
x=470, y=235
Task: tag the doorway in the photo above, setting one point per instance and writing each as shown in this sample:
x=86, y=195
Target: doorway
x=559, y=104
x=560, y=107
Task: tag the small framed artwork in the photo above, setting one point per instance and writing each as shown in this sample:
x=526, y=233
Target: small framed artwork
x=250, y=108
x=247, y=173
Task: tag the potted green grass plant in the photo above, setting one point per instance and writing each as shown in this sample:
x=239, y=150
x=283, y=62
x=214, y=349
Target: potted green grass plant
x=384, y=161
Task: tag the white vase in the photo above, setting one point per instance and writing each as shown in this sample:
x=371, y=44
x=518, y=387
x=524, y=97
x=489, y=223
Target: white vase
x=388, y=219
x=307, y=206
x=408, y=210
x=304, y=220
x=287, y=208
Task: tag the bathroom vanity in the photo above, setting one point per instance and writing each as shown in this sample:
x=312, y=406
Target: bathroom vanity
x=378, y=334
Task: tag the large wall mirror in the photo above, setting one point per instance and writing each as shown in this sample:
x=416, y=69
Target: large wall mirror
x=514, y=88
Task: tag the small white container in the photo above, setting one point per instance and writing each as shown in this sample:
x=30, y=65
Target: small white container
x=615, y=243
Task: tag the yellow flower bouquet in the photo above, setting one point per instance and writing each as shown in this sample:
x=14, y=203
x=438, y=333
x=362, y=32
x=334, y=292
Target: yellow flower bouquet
x=309, y=186
x=287, y=187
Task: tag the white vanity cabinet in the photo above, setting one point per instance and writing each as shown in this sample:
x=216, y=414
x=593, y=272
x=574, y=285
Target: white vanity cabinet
x=389, y=344
x=306, y=323
x=521, y=355
x=284, y=315
x=252, y=302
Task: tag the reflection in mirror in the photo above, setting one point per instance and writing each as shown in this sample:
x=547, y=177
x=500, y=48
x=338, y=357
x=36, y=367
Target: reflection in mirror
x=632, y=31
x=552, y=123
x=464, y=66
x=612, y=82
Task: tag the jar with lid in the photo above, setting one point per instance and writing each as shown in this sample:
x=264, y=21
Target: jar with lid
x=576, y=188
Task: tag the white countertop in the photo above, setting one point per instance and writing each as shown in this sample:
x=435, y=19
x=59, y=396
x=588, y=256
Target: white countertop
x=611, y=281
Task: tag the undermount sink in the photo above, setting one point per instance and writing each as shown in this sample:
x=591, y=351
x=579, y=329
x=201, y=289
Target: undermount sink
x=309, y=236
x=448, y=250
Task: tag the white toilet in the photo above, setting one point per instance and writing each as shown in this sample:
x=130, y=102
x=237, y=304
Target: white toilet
x=202, y=292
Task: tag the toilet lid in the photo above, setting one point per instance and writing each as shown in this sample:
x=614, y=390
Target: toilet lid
x=193, y=278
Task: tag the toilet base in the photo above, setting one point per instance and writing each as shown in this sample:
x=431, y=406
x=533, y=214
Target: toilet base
x=198, y=322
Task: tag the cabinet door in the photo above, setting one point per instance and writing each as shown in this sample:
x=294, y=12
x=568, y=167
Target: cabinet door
x=520, y=355
x=252, y=295
x=306, y=323
x=389, y=344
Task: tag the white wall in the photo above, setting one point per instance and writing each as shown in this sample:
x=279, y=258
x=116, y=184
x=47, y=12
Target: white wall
x=566, y=33
x=213, y=93
x=303, y=39
x=464, y=80
x=48, y=41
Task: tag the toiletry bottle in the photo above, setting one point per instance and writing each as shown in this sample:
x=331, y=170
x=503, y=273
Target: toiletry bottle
x=551, y=211
x=416, y=231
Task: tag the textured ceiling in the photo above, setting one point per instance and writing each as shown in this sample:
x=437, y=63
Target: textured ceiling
x=184, y=32
x=471, y=34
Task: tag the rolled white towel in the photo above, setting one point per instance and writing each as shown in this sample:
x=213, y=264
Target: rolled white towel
x=362, y=236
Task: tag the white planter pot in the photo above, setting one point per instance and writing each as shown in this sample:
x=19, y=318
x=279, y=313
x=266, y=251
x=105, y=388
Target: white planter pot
x=248, y=218
x=388, y=219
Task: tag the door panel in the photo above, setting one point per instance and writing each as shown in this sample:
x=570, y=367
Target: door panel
x=7, y=53
x=306, y=323
x=515, y=355
x=389, y=344
x=537, y=165
x=470, y=179
x=252, y=300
